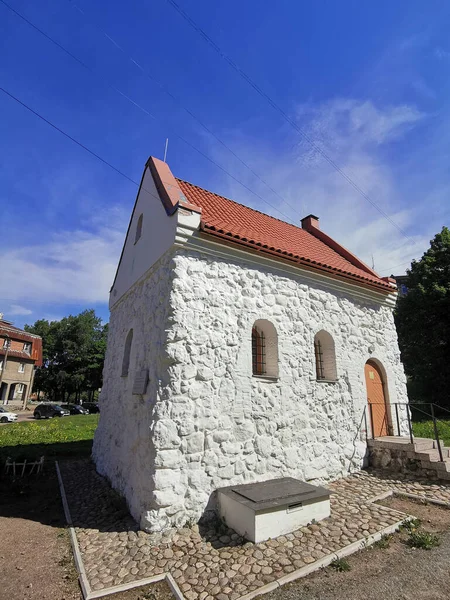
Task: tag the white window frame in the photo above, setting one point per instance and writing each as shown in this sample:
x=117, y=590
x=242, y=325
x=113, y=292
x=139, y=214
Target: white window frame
x=21, y=367
x=27, y=347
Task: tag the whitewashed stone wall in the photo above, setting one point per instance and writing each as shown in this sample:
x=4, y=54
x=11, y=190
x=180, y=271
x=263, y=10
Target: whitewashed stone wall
x=205, y=421
x=123, y=447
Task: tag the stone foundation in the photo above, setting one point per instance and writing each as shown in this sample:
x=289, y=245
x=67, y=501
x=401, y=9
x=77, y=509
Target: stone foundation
x=401, y=457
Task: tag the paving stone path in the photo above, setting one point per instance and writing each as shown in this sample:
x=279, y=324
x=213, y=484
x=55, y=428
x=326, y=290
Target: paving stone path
x=371, y=485
x=213, y=562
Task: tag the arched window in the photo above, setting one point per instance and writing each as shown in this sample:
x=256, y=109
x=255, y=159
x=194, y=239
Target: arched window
x=264, y=349
x=138, y=228
x=325, y=356
x=127, y=353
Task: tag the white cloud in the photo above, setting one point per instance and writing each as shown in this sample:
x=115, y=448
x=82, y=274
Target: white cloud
x=442, y=54
x=347, y=125
x=16, y=309
x=71, y=266
x=360, y=137
x=78, y=266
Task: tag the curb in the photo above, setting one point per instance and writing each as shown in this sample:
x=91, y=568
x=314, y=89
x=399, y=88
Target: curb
x=84, y=583
x=326, y=560
x=424, y=499
x=89, y=594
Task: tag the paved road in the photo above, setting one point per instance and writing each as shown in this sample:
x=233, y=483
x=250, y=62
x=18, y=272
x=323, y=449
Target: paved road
x=21, y=416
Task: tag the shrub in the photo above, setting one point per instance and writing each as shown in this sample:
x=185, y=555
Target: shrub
x=384, y=542
x=423, y=540
x=340, y=565
x=410, y=525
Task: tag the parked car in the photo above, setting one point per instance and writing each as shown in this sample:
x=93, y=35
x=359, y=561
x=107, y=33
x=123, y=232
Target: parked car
x=92, y=407
x=47, y=411
x=7, y=417
x=75, y=409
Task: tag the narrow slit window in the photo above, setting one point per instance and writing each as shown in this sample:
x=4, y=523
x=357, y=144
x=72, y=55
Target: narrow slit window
x=258, y=352
x=320, y=371
x=325, y=357
x=264, y=349
x=138, y=229
x=127, y=354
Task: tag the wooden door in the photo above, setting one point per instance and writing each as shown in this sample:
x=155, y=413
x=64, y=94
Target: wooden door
x=376, y=399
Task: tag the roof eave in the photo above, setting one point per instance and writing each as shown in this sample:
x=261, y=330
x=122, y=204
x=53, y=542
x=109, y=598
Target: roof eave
x=306, y=263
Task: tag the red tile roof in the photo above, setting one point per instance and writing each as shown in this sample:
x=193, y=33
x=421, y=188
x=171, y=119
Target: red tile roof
x=240, y=224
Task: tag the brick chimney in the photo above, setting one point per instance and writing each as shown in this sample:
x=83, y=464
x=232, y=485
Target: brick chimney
x=310, y=222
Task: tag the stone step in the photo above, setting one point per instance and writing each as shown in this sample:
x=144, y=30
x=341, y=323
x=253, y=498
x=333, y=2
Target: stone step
x=432, y=456
x=422, y=444
x=439, y=467
x=445, y=452
x=398, y=449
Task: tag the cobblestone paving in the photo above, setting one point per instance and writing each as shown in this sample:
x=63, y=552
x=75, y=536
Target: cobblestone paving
x=371, y=484
x=216, y=563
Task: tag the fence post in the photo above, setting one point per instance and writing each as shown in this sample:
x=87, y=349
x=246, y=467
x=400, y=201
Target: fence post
x=365, y=422
x=409, y=424
x=398, y=421
x=371, y=421
x=436, y=434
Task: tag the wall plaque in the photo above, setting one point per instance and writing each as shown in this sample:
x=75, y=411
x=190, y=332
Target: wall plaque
x=140, y=382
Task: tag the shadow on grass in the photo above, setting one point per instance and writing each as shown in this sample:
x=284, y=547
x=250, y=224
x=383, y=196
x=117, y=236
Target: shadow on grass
x=37, y=497
x=93, y=503
x=52, y=451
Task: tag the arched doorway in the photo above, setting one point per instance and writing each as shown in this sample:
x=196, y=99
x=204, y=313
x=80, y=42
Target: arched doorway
x=376, y=398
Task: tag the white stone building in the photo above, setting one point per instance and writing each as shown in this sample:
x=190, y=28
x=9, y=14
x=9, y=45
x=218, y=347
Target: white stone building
x=238, y=351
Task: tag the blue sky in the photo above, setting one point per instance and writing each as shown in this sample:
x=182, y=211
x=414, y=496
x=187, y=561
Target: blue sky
x=368, y=82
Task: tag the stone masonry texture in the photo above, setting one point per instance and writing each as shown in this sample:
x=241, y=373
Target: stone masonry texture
x=210, y=561
x=205, y=422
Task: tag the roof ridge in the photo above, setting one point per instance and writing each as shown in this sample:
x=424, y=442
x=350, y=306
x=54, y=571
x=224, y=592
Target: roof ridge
x=240, y=204
x=17, y=330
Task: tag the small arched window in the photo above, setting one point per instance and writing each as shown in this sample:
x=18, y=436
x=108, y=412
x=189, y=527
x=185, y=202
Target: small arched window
x=325, y=356
x=264, y=349
x=138, y=229
x=127, y=354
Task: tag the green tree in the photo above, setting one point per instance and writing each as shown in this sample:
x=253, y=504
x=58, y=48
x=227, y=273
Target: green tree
x=423, y=323
x=73, y=355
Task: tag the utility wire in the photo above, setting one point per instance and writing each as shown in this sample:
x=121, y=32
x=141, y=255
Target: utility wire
x=75, y=141
x=145, y=111
x=285, y=116
x=97, y=156
x=171, y=95
x=391, y=269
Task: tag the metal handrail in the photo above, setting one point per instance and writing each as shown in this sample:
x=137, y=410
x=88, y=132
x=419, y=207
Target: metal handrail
x=429, y=404
x=408, y=413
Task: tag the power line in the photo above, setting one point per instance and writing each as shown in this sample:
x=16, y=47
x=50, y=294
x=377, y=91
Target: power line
x=391, y=269
x=171, y=95
x=98, y=157
x=75, y=141
x=144, y=110
x=286, y=117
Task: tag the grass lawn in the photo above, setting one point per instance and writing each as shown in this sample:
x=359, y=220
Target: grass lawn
x=53, y=438
x=425, y=429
